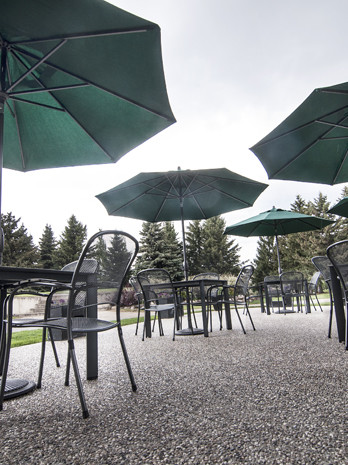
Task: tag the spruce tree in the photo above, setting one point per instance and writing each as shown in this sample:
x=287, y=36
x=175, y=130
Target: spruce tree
x=172, y=252
x=194, y=247
x=47, y=249
x=219, y=254
x=151, y=247
x=19, y=248
x=266, y=261
x=71, y=242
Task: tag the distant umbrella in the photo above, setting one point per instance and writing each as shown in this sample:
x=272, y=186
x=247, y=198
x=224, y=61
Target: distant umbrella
x=277, y=222
x=341, y=208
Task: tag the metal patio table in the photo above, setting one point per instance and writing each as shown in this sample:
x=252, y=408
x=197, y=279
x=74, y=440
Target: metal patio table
x=11, y=275
x=186, y=285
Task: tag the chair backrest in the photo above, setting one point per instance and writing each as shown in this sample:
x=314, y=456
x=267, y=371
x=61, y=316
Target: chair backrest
x=292, y=282
x=196, y=292
x=322, y=263
x=135, y=284
x=242, y=282
x=157, y=286
x=114, y=251
x=338, y=256
x=314, y=281
x=273, y=289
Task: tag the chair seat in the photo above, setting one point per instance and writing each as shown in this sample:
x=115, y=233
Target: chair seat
x=160, y=307
x=79, y=324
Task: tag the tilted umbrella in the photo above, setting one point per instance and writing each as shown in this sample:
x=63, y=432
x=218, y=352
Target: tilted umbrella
x=81, y=82
x=341, y=208
x=277, y=222
x=181, y=195
x=311, y=144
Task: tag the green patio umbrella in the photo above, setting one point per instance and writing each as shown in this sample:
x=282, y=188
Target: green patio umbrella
x=311, y=144
x=81, y=82
x=341, y=208
x=277, y=222
x=181, y=195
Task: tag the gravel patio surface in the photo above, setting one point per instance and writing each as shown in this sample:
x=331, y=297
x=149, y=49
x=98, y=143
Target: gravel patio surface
x=274, y=396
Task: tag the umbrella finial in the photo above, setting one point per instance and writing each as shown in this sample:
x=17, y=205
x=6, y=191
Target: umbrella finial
x=179, y=169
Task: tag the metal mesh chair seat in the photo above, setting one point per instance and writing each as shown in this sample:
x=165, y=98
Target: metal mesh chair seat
x=88, y=291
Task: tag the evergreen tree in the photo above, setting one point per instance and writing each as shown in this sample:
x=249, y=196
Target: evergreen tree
x=266, y=261
x=151, y=247
x=194, y=247
x=219, y=254
x=47, y=249
x=19, y=248
x=71, y=242
x=172, y=252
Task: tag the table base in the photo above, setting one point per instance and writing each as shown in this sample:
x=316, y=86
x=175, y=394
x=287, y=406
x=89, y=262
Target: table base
x=189, y=332
x=18, y=387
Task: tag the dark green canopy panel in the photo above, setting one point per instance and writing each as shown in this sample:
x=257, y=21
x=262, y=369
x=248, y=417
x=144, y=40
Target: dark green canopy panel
x=310, y=145
x=340, y=208
x=82, y=83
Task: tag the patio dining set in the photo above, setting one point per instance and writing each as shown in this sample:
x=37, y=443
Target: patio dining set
x=58, y=62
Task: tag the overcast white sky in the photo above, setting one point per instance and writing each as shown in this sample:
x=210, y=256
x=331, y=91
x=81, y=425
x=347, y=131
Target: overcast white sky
x=234, y=70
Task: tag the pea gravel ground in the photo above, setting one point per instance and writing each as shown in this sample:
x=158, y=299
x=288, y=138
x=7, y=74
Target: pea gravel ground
x=274, y=396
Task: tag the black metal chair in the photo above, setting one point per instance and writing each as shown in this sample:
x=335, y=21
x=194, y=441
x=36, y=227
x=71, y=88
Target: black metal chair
x=273, y=291
x=139, y=296
x=196, y=298
x=292, y=285
x=159, y=296
x=238, y=295
x=322, y=264
x=115, y=252
x=338, y=255
x=313, y=286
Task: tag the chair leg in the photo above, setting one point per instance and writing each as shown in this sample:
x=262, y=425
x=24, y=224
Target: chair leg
x=330, y=316
x=72, y=353
x=239, y=318
x=53, y=347
x=136, y=329
x=248, y=313
x=126, y=358
x=67, y=371
x=5, y=361
x=42, y=357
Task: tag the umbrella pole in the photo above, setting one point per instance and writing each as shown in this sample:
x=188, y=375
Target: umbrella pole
x=3, y=67
x=183, y=239
x=279, y=267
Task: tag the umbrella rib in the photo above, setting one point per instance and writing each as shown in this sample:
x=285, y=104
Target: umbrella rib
x=322, y=137
x=111, y=32
x=115, y=94
x=47, y=89
x=14, y=114
x=339, y=168
x=272, y=139
x=37, y=64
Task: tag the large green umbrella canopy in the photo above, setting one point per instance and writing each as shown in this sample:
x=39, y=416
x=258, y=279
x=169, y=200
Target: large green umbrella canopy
x=277, y=222
x=341, y=208
x=81, y=83
x=311, y=144
x=181, y=195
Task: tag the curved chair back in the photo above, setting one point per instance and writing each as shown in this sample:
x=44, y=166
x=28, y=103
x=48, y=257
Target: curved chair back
x=322, y=263
x=243, y=279
x=338, y=256
x=157, y=286
x=292, y=282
